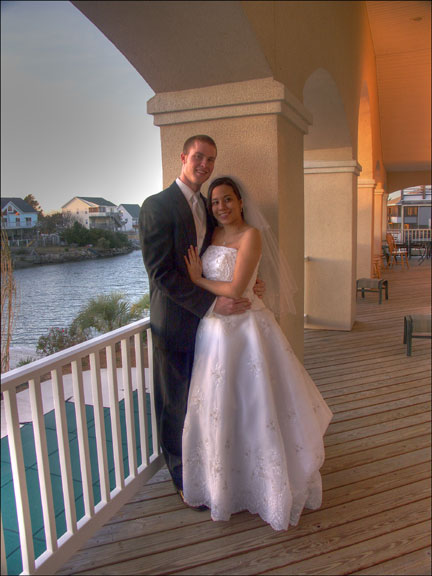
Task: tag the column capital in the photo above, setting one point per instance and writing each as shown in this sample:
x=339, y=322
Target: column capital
x=379, y=190
x=331, y=166
x=238, y=99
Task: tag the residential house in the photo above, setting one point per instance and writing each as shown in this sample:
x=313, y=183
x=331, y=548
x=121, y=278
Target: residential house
x=93, y=212
x=409, y=209
x=129, y=215
x=19, y=219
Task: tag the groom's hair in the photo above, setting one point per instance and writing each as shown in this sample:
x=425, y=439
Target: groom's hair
x=201, y=138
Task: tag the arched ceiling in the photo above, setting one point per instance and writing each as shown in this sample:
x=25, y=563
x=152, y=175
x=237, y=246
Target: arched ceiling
x=401, y=33
x=214, y=36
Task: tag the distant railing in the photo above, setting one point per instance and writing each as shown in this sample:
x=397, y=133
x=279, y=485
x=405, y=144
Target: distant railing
x=18, y=225
x=122, y=357
x=411, y=234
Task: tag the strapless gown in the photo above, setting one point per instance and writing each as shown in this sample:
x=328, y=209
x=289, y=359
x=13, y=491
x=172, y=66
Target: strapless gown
x=253, y=434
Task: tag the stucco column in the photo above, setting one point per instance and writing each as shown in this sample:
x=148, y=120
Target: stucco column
x=365, y=226
x=258, y=127
x=379, y=229
x=384, y=216
x=330, y=243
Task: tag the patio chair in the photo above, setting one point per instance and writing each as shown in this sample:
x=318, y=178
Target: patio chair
x=416, y=326
x=372, y=285
x=396, y=251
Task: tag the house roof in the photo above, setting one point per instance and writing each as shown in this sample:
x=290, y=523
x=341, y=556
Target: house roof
x=19, y=203
x=96, y=200
x=132, y=209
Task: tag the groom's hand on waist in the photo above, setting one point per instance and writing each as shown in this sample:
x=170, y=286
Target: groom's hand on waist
x=229, y=306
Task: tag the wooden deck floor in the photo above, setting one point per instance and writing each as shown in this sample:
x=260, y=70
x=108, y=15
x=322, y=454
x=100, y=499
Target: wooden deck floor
x=375, y=517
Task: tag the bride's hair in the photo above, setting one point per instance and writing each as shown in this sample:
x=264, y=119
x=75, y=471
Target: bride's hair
x=223, y=180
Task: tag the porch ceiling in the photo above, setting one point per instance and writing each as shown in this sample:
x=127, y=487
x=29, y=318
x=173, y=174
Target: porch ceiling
x=401, y=33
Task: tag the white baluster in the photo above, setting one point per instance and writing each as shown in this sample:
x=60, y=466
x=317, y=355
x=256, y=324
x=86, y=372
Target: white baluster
x=19, y=480
x=43, y=463
x=155, y=435
x=129, y=408
x=142, y=406
x=115, y=416
x=99, y=427
x=64, y=452
x=82, y=434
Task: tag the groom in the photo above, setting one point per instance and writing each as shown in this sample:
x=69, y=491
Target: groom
x=169, y=223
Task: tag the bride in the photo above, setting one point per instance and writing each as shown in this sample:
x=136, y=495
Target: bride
x=253, y=434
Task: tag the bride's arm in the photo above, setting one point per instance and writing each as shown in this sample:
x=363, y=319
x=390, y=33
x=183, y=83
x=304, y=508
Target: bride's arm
x=248, y=255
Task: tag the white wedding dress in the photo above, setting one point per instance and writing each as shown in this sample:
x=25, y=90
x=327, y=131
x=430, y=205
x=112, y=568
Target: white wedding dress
x=253, y=434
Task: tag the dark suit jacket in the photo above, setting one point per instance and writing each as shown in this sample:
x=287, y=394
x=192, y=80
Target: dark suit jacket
x=167, y=230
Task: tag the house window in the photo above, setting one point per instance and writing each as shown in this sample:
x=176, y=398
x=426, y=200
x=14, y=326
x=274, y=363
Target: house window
x=410, y=210
x=28, y=221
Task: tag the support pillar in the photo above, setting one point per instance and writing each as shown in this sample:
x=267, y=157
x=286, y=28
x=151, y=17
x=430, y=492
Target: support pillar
x=258, y=127
x=365, y=227
x=384, y=217
x=378, y=219
x=331, y=244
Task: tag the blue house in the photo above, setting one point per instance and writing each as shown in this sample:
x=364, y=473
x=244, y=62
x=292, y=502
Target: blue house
x=19, y=219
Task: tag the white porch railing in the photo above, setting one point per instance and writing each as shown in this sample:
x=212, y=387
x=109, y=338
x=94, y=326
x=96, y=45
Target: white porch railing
x=120, y=349
x=411, y=234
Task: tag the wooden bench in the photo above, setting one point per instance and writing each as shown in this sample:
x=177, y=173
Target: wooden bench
x=372, y=285
x=416, y=326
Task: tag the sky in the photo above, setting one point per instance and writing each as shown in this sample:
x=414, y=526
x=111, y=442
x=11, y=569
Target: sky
x=74, y=116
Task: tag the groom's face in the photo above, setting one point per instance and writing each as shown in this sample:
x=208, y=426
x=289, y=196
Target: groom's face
x=198, y=164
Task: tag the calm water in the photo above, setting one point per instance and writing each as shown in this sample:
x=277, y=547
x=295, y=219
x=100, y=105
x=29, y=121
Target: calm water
x=52, y=295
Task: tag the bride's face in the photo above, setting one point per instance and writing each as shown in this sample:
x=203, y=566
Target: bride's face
x=226, y=207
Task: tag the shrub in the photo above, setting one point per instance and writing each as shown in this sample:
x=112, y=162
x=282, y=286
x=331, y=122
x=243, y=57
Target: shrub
x=60, y=338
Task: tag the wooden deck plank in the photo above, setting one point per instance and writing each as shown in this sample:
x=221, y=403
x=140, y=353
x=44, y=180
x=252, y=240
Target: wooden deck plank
x=416, y=563
x=362, y=554
x=374, y=518
x=291, y=550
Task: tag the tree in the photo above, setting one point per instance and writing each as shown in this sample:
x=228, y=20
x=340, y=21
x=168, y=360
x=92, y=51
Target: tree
x=30, y=199
x=51, y=223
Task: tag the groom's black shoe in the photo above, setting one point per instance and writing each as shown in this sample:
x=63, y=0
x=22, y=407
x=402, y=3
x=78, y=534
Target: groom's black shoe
x=197, y=508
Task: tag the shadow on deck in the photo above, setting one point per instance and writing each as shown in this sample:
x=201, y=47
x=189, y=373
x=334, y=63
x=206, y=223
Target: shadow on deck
x=375, y=517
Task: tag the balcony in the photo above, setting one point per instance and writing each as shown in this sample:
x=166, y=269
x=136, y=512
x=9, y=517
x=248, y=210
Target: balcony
x=375, y=517
x=18, y=225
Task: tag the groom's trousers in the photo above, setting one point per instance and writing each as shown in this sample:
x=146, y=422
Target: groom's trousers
x=172, y=372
